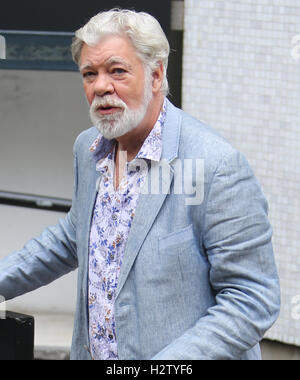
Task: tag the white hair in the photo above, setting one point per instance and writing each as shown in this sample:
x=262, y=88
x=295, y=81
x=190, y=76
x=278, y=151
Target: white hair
x=143, y=30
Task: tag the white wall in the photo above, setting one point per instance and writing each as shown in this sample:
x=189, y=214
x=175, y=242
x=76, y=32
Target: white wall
x=240, y=77
x=41, y=114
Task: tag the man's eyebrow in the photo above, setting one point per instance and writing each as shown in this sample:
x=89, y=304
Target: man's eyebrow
x=118, y=61
x=110, y=61
x=85, y=66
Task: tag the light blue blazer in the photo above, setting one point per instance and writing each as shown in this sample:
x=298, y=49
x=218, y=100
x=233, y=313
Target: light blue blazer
x=197, y=281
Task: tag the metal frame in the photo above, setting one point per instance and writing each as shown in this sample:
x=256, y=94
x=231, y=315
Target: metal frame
x=35, y=201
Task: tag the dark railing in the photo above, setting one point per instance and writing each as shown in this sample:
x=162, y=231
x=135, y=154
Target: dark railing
x=35, y=201
x=17, y=330
x=16, y=336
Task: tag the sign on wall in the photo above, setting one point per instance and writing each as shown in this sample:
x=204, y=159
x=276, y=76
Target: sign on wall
x=39, y=35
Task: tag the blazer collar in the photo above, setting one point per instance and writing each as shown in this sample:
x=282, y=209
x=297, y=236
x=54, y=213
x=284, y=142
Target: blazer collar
x=171, y=133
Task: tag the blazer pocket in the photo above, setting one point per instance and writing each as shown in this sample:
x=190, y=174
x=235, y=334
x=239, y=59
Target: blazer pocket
x=176, y=238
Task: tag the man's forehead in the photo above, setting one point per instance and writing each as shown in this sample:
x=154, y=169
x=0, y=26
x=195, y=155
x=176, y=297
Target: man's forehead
x=111, y=50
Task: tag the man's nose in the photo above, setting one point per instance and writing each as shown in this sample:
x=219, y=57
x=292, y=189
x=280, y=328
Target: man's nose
x=103, y=86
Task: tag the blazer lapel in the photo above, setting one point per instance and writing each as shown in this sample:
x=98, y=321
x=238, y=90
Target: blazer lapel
x=150, y=204
x=92, y=192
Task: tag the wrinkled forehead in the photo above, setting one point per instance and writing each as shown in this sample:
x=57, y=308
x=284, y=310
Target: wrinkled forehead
x=110, y=50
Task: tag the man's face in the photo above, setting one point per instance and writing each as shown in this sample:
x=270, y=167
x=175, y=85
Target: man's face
x=115, y=85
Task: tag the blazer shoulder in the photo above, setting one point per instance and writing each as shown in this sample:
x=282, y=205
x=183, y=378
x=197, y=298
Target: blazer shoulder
x=200, y=139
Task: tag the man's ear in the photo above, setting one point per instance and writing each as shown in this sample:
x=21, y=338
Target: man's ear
x=158, y=77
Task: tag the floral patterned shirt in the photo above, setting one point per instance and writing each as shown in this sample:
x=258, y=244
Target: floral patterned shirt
x=112, y=218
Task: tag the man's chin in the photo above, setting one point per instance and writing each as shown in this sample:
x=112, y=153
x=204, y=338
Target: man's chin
x=110, y=133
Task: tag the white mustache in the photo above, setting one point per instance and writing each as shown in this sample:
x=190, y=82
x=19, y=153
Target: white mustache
x=106, y=102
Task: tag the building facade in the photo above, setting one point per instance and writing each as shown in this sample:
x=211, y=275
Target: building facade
x=242, y=76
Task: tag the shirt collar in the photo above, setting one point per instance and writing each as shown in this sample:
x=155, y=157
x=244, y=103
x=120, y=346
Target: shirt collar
x=152, y=146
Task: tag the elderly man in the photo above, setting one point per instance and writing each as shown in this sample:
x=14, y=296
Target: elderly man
x=161, y=275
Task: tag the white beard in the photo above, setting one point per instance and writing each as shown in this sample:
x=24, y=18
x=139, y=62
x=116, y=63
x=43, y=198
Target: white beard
x=120, y=123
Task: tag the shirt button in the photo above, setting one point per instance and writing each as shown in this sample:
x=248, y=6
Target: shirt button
x=109, y=296
x=111, y=337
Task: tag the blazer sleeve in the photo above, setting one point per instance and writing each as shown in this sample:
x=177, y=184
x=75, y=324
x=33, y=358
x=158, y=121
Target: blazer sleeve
x=43, y=259
x=237, y=240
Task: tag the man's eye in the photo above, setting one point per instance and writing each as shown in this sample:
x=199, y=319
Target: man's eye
x=88, y=74
x=118, y=70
